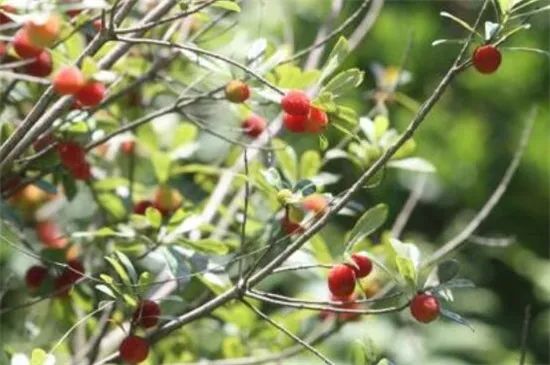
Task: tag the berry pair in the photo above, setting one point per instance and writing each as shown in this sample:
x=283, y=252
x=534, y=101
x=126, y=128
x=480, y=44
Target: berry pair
x=342, y=277
x=134, y=349
x=300, y=116
x=69, y=80
x=73, y=158
x=70, y=275
x=166, y=200
x=49, y=233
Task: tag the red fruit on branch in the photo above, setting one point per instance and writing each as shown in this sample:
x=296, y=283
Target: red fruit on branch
x=23, y=47
x=341, y=281
x=62, y=285
x=315, y=203
x=167, y=200
x=290, y=227
x=127, y=147
x=71, y=154
x=296, y=102
x=41, y=66
x=295, y=123
x=424, y=307
x=50, y=235
x=82, y=171
x=91, y=94
x=68, y=80
x=486, y=59
x=316, y=121
x=254, y=126
x=236, y=91
x=74, y=271
x=35, y=276
x=98, y=25
x=364, y=265
x=147, y=314
x=43, y=31
x=141, y=206
x=133, y=349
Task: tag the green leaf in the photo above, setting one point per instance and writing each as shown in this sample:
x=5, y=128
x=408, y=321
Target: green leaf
x=161, y=164
x=310, y=164
x=69, y=186
x=447, y=270
x=305, y=187
x=184, y=134
x=406, y=269
x=119, y=269
x=455, y=317
x=413, y=164
x=286, y=158
x=154, y=217
x=89, y=67
x=369, y=222
x=344, y=82
x=124, y=260
x=381, y=124
x=272, y=177
x=105, y=290
x=335, y=58
x=40, y=357
x=407, y=260
x=320, y=249
x=208, y=245
x=113, y=205
x=505, y=5
x=227, y=5
x=358, y=355
x=323, y=142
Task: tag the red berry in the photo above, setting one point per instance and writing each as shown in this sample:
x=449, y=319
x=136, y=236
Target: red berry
x=43, y=30
x=41, y=66
x=295, y=102
x=141, y=206
x=91, y=94
x=50, y=235
x=254, y=126
x=4, y=11
x=82, y=172
x=147, y=314
x=68, y=80
x=133, y=349
x=486, y=59
x=341, y=281
x=128, y=147
x=316, y=203
x=364, y=265
x=62, y=285
x=424, y=307
x=98, y=25
x=295, y=123
x=236, y=91
x=75, y=270
x=35, y=276
x=23, y=46
x=71, y=154
x=317, y=120
x=290, y=227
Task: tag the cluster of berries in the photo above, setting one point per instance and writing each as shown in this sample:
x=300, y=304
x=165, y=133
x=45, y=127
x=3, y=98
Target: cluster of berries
x=73, y=158
x=36, y=276
x=317, y=204
x=135, y=349
x=69, y=80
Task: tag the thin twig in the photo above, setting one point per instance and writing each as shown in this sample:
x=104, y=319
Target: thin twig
x=408, y=208
x=525, y=333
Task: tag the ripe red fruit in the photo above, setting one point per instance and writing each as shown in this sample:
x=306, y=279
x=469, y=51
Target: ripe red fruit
x=74, y=271
x=4, y=11
x=364, y=265
x=424, y=307
x=68, y=80
x=341, y=281
x=41, y=66
x=486, y=59
x=254, y=126
x=295, y=102
x=133, y=349
x=147, y=314
x=35, y=276
x=141, y=206
x=50, y=235
x=295, y=123
x=128, y=147
x=316, y=121
x=71, y=154
x=236, y=91
x=43, y=30
x=82, y=171
x=91, y=94
x=315, y=203
x=22, y=45
x=62, y=285
x=290, y=227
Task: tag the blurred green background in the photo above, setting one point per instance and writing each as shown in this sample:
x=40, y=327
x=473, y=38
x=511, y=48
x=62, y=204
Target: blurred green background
x=470, y=137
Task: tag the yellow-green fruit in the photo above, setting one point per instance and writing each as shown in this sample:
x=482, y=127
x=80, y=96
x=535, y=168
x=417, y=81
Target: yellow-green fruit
x=315, y=203
x=284, y=196
x=236, y=91
x=295, y=214
x=167, y=199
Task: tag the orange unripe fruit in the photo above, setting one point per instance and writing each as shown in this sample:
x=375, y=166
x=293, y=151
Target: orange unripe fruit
x=315, y=203
x=237, y=91
x=23, y=46
x=68, y=80
x=43, y=31
x=167, y=199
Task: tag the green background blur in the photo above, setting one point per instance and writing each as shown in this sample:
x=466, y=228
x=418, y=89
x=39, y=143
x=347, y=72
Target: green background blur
x=470, y=137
